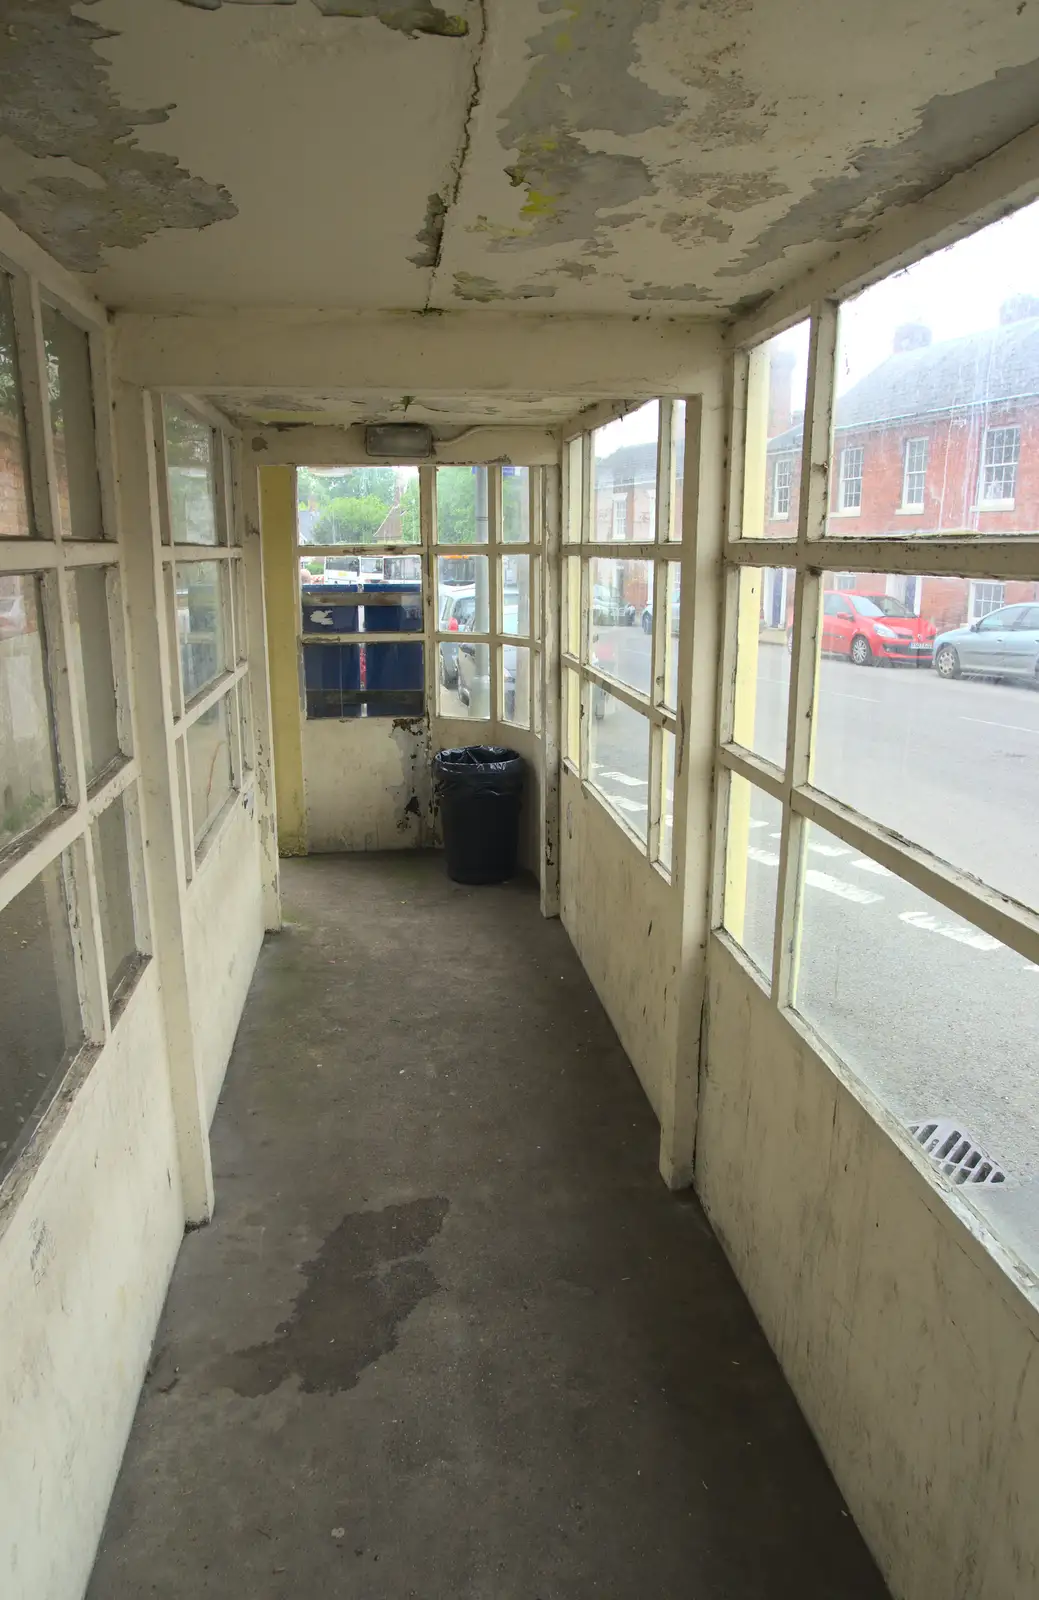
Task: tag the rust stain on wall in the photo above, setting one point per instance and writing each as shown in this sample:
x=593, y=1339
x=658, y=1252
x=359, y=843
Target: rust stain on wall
x=403, y=16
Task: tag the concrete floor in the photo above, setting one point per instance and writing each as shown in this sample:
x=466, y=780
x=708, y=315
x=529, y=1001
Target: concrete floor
x=448, y=1335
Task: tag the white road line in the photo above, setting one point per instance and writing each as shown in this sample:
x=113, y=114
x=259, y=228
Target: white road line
x=622, y=802
x=756, y=822
x=950, y=930
x=866, y=865
x=767, y=858
x=624, y=777
x=1012, y=727
x=837, y=886
x=830, y=850
x=775, y=835
x=841, y=694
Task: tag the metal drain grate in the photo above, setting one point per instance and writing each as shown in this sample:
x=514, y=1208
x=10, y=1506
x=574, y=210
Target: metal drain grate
x=950, y=1148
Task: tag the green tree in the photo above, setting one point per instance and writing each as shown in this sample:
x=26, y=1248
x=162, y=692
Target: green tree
x=319, y=489
x=409, y=513
x=350, y=520
x=456, y=505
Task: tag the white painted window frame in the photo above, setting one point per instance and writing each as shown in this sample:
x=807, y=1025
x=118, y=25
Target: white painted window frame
x=812, y=551
x=66, y=835
x=976, y=612
x=987, y=502
x=232, y=683
x=664, y=552
x=781, y=487
x=910, y=501
x=845, y=478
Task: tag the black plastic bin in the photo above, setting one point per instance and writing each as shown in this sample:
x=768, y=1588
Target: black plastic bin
x=479, y=790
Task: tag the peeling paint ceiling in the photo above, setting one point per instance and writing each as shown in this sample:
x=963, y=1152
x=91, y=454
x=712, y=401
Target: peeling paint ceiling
x=343, y=407
x=602, y=156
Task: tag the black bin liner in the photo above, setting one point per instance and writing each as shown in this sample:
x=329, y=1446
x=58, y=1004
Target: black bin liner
x=479, y=790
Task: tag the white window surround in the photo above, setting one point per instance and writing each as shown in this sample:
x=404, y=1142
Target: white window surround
x=849, y=483
x=782, y=483
x=985, y=596
x=1000, y=456
x=914, y=475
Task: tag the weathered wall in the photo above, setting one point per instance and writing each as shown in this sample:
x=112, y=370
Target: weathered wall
x=623, y=918
x=223, y=935
x=84, y=1262
x=367, y=783
x=911, y=1352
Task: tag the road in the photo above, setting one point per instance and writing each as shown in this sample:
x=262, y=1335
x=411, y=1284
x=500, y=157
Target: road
x=938, y=1018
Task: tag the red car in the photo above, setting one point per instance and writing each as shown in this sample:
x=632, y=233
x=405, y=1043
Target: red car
x=874, y=627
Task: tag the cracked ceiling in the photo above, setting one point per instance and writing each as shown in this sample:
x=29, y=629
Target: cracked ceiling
x=606, y=156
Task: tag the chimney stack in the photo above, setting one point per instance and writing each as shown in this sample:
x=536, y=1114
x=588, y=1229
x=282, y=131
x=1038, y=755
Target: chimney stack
x=780, y=391
x=911, y=336
x=1018, y=308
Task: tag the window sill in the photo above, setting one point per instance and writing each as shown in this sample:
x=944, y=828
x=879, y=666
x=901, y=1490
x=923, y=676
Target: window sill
x=995, y=505
x=910, y=511
x=847, y=511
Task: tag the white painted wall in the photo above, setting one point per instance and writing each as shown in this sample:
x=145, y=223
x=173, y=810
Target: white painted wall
x=623, y=919
x=86, y=1250
x=223, y=933
x=359, y=778
x=910, y=1350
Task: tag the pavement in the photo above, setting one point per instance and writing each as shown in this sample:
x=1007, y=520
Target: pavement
x=448, y=1335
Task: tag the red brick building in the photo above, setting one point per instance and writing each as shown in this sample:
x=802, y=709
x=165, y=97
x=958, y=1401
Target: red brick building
x=939, y=439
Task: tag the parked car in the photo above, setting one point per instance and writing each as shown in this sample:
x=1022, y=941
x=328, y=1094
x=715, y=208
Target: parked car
x=609, y=610
x=873, y=628
x=467, y=675
x=457, y=610
x=647, y=619
x=1005, y=644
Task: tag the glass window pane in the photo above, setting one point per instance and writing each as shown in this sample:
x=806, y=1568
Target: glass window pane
x=618, y=755
x=667, y=800
x=777, y=383
x=622, y=620
x=463, y=594
x=335, y=600
x=192, y=486
x=241, y=612
x=625, y=475
x=572, y=717
x=16, y=521
x=357, y=505
x=96, y=690
x=72, y=426
x=208, y=746
x=674, y=530
x=752, y=842
x=200, y=624
x=535, y=685
x=28, y=771
x=364, y=680
x=763, y=643
x=935, y=381
x=40, y=1019
x=673, y=602
x=515, y=505
x=462, y=505
x=574, y=489
x=572, y=605
x=515, y=595
x=535, y=598
x=937, y=1017
x=465, y=680
x=515, y=685
x=114, y=894
x=946, y=756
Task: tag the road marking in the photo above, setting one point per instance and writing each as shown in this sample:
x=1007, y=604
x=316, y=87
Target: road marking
x=756, y=822
x=1012, y=727
x=830, y=849
x=623, y=777
x=866, y=865
x=949, y=930
x=842, y=694
x=767, y=858
x=837, y=886
x=623, y=803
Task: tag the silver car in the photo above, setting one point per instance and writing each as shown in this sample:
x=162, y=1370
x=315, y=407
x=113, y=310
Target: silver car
x=1004, y=644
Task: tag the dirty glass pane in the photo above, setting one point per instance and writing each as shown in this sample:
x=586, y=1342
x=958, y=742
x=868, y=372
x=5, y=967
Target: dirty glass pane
x=572, y=605
x=624, y=469
x=200, y=623
x=40, y=1020
x=464, y=680
x=357, y=505
x=752, y=870
x=622, y=620
x=777, y=383
x=674, y=529
x=72, y=426
x=673, y=581
x=364, y=680
x=16, y=521
x=462, y=505
x=337, y=598
x=535, y=685
x=515, y=685
x=515, y=595
x=618, y=754
x=96, y=688
x=937, y=373
x=114, y=895
x=945, y=754
x=763, y=635
x=28, y=771
x=572, y=717
x=208, y=747
x=463, y=594
x=192, y=485
x=574, y=490
x=515, y=505
x=241, y=613
x=667, y=800
x=882, y=963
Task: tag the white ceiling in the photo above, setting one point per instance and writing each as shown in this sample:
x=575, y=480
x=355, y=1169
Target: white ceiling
x=602, y=156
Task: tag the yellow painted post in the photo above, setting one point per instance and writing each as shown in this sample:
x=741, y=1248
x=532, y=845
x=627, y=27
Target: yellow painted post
x=278, y=532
